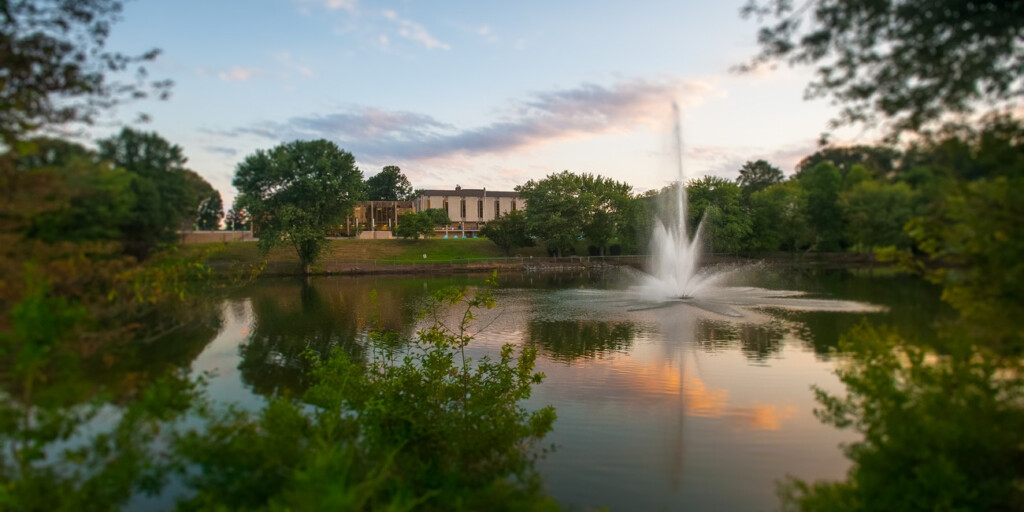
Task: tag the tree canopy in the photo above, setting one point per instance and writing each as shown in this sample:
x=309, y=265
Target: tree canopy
x=55, y=67
x=758, y=175
x=295, y=192
x=905, y=62
x=164, y=197
x=508, y=232
x=389, y=185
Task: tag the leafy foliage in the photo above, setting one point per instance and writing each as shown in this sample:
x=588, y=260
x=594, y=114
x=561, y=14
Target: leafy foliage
x=418, y=425
x=758, y=175
x=908, y=62
x=508, y=232
x=717, y=202
x=564, y=208
x=56, y=69
x=163, y=195
x=389, y=185
x=297, y=191
x=414, y=225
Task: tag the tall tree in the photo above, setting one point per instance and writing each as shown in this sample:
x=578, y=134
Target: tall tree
x=717, y=202
x=876, y=212
x=296, y=192
x=907, y=62
x=389, y=185
x=779, y=218
x=758, y=175
x=823, y=184
x=605, y=202
x=555, y=210
x=55, y=67
x=163, y=197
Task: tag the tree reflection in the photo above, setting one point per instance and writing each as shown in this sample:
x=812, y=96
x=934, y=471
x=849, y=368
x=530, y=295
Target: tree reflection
x=758, y=342
x=568, y=340
x=293, y=317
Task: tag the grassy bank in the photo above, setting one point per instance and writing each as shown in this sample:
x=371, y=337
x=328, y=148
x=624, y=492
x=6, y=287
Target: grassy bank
x=351, y=255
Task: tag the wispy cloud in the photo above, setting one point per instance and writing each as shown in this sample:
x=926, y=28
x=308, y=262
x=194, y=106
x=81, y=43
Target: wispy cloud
x=222, y=150
x=586, y=111
x=414, y=31
x=238, y=74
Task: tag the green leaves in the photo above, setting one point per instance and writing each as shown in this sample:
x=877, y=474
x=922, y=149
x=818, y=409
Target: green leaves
x=414, y=424
x=297, y=191
x=905, y=62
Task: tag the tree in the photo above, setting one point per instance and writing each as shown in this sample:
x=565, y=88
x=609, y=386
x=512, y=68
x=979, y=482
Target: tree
x=556, y=211
x=438, y=216
x=163, y=196
x=210, y=211
x=236, y=219
x=823, y=184
x=908, y=62
x=881, y=160
x=55, y=67
x=414, y=225
x=876, y=212
x=389, y=185
x=758, y=175
x=778, y=218
x=604, y=201
x=508, y=232
x=296, y=192
x=717, y=203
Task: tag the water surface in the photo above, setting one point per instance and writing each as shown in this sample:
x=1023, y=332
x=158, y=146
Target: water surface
x=660, y=407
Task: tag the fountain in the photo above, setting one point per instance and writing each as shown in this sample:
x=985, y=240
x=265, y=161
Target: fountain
x=675, y=256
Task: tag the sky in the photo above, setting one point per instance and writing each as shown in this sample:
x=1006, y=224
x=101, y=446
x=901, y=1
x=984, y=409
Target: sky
x=472, y=93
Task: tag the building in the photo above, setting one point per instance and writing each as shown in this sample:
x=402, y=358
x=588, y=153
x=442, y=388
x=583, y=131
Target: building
x=468, y=208
x=375, y=219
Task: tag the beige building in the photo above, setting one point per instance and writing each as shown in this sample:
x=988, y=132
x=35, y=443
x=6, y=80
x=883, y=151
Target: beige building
x=468, y=208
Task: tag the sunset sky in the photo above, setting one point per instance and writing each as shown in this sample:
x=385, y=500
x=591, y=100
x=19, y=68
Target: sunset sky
x=481, y=94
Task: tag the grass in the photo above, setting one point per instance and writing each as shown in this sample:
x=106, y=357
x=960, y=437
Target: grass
x=380, y=251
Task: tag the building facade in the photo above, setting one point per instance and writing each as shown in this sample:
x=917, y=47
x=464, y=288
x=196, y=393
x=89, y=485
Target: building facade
x=468, y=208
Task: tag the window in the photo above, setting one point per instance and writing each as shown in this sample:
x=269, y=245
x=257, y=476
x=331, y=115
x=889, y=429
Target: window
x=463, y=208
x=497, y=207
x=428, y=204
x=446, y=207
x=480, y=209
x=513, y=205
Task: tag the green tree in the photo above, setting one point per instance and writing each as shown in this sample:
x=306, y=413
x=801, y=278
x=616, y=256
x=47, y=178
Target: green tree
x=778, y=218
x=758, y=175
x=876, y=213
x=210, y=211
x=906, y=62
x=236, y=219
x=297, y=191
x=717, y=202
x=163, y=196
x=438, y=216
x=207, y=206
x=55, y=67
x=604, y=201
x=556, y=211
x=389, y=185
x=508, y=232
x=823, y=184
x=879, y=160
x=414, y=225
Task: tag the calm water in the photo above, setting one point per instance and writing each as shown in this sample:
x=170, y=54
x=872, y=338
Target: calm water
x=660, y=407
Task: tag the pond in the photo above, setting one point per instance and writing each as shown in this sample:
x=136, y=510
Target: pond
x=662, y=406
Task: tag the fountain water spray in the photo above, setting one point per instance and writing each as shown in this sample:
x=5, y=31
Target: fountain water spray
x=675, y=256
